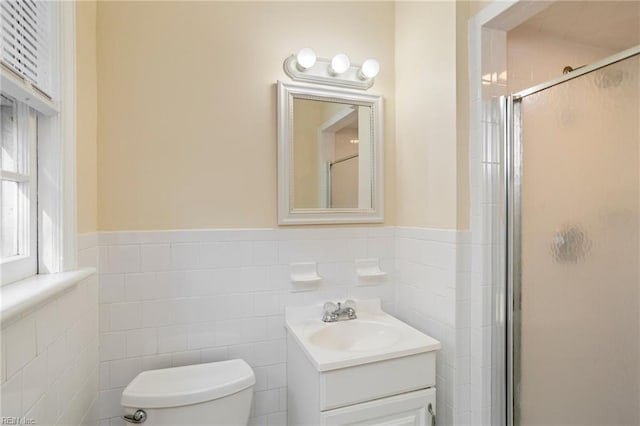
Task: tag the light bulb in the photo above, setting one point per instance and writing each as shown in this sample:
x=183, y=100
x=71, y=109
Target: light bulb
x=370, y=68
x=305, y=59
x=340, y=63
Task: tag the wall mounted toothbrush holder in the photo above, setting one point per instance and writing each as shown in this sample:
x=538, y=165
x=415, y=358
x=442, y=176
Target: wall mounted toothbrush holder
x=369, y=269
x=304, y=276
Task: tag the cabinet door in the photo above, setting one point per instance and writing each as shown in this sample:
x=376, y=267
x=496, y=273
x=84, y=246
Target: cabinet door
x=409, y=409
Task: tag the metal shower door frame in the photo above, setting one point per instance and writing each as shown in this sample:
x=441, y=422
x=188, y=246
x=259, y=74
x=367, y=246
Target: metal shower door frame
x=507, y=301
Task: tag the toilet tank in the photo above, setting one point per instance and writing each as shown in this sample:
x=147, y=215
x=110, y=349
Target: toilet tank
x=217, y=393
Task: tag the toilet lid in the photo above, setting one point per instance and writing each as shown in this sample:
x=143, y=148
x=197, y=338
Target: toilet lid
x=192, y=384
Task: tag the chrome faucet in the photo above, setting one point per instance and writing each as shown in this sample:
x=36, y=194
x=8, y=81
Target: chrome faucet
x=332, y=312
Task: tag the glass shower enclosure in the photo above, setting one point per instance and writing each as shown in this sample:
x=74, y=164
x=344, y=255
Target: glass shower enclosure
x=573, y=248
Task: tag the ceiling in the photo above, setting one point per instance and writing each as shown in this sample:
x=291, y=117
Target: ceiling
x=608, y=24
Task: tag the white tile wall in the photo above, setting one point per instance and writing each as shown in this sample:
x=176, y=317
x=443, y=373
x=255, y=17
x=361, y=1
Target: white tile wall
x=173, y=298
x=50, y=355
x=182, y=297
x=432, y=295
x=487, y=71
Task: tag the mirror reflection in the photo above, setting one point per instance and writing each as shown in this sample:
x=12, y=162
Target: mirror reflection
x=332, y=155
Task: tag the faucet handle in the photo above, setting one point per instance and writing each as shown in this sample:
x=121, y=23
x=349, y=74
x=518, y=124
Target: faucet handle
x=349, y=303
x=329, y=310
x=349, y=306
x=329, y=307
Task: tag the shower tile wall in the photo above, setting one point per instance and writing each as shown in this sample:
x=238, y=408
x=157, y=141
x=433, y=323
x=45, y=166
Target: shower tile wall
x=487, y=218
x=182, y=297
x=50, y=355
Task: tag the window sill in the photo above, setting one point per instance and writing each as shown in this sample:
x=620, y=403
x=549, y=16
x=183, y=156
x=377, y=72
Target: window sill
x=19, y=297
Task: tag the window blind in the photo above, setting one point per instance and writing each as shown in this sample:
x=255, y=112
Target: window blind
x=26, y=43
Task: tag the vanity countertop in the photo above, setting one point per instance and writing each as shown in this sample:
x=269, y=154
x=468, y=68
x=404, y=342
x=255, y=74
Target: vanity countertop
x=373, y=336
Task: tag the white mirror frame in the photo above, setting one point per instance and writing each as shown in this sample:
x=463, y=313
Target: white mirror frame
x=287, y=214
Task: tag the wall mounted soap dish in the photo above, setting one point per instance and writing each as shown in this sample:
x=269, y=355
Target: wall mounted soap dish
x=369, y=268
x=304, y=276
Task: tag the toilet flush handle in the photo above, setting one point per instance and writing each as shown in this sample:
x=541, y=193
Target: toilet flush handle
x=138, y=417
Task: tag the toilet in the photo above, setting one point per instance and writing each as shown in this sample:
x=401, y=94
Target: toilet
x=217, y=393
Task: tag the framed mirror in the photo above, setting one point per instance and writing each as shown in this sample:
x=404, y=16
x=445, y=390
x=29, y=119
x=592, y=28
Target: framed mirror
x=329, y=155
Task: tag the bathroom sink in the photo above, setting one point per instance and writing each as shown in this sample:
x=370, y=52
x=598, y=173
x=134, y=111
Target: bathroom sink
x=354, y=335
x=364, y=370
x=373, y=336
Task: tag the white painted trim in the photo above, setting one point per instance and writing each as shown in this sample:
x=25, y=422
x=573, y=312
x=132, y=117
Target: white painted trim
x=505, y=15
x=287, y=215
x=57, y=164
x=19, y=88
x=20, y=297
x=16, y=268
x=69, y=114
x=13, y=176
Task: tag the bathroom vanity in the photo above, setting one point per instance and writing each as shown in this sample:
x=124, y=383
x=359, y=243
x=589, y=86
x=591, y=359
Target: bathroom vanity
x=374, y=369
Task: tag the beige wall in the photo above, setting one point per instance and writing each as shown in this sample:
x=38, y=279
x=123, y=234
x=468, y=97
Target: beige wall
x=87, y=165
x=426, y=145
x=433, y=113
x=463, y=13
x=187, y=123
x=187, y=107
x=534, y=58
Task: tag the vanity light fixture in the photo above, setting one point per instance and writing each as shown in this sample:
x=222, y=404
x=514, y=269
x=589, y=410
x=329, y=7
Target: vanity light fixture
x=339, y=64
x=370, y=68
x=354, y=141
x=338, y=71
x=305, y=59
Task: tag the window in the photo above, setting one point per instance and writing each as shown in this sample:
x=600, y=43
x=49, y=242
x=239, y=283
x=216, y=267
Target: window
x=18, y=189
x=37, y=164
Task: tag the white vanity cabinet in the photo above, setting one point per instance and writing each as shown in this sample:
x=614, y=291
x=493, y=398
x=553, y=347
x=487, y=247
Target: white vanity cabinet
x=391, y=392
x=384, y=382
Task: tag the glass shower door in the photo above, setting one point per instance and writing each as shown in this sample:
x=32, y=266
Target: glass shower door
x=576, y=279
